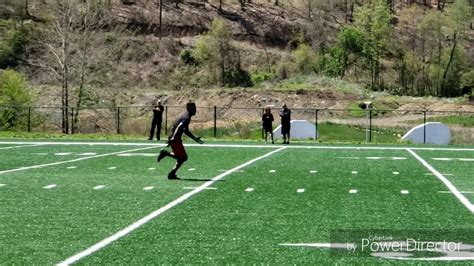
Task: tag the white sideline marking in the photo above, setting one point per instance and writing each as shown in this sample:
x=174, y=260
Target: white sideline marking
x=395, y=173
x=71, y=167
x=442, y=159
x=463, y=192
x=404, y=192
x=191, y=169
x=446, y=182
x=99, y=187
x=70, y=161
x=300, y=190
x=151, y=168
x=354, y=172
x=238, y=171
x=313, y=171
x=21, y=146
x=148, y=188
x=353, y=191
x=112, y=168
x=127, y=230
x=209, y=188
x=2, y=185
x=50, y=186
x=467, y=159
x=249, y=189
x=237, y=146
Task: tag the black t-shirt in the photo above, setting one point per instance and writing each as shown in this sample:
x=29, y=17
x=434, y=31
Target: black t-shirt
x=158, y=113
x=182, y=124
x=285, y=115
x=267, y=120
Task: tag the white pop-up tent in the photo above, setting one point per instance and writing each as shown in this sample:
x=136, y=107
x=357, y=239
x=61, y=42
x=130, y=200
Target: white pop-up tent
x=300, y=129
x=429, y=133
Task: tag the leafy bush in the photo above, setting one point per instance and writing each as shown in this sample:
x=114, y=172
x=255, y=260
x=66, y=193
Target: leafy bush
x=110, y=38
x=188, y=58
x=261, y=76
x=237, y=77
x=304, y=58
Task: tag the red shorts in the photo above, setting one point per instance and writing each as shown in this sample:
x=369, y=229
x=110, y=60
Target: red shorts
x=178, y=148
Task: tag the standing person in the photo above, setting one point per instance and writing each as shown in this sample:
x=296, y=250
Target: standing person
x=180, y=126
x=157, y=119
x=267, y=119
x=285, y=115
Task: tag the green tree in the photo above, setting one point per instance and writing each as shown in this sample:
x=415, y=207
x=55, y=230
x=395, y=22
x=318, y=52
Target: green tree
x=215, y=52
x=350, y=46
x=432, y=33
x=374, y=23
x=13, y=95
x=304, y=58
x=458, y=17
x=12, y=43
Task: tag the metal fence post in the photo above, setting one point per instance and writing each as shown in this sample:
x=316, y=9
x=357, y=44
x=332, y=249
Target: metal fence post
x=118, y=120
x=215, y=121
x=29, y=119
x=316, y=124
x=166, y=120
x=73, y=126
x=370, y=125
x=424, y=127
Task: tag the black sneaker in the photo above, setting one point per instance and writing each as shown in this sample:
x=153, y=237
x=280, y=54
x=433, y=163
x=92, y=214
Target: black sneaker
x=162, y=155
x=172, y=176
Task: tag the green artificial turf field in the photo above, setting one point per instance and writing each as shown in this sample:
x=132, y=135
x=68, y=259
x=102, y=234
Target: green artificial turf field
x=111, y=203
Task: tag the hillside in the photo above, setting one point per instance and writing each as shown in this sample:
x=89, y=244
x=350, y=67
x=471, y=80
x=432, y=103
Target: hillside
x=127, y=51
x=292, y=52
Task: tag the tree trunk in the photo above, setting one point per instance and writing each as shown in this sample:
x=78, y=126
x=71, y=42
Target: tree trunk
x=160, y=3
x=451, y=56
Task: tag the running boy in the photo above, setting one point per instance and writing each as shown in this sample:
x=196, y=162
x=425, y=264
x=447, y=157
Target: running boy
x=180, y=126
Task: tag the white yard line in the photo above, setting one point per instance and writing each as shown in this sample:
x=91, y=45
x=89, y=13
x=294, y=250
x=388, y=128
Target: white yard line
x=445, y=181
x=70, y=161
x=127, y=230
x=463, y=192
x=21, y=146
x=238, y=146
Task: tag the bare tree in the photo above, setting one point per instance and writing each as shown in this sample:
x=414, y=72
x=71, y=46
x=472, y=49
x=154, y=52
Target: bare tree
x=92, y=18
x=65, y=49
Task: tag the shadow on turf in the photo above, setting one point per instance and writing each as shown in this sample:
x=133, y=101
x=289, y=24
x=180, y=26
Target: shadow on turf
x=196, y=179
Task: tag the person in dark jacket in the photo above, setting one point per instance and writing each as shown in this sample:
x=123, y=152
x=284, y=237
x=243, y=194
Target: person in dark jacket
x=267, y=120
x=285, y=115
x=157, y=120
x=180, y=126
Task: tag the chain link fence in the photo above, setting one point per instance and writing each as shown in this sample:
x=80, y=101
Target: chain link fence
x=333, y=125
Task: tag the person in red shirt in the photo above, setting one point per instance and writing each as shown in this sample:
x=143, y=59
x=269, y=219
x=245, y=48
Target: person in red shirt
x=180, y=126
